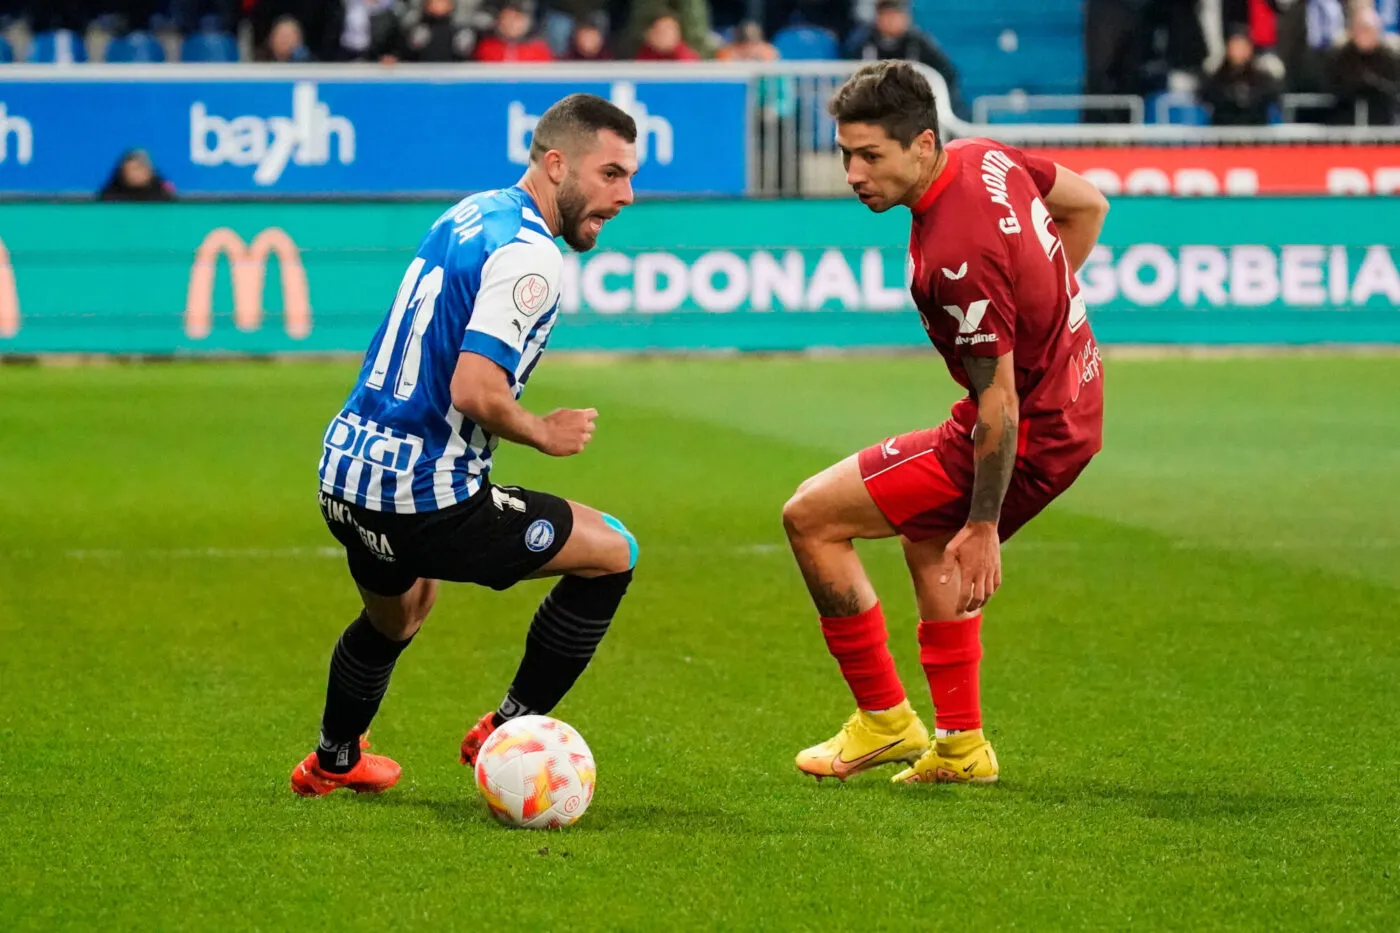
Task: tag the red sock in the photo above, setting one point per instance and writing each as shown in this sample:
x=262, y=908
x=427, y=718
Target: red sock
x=858, y=643
x=950, y=652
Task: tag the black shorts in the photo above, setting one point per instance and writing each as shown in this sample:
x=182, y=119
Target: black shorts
x=497, y=538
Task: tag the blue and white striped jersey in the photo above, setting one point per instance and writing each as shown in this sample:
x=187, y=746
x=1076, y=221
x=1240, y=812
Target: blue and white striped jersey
x=485, y=280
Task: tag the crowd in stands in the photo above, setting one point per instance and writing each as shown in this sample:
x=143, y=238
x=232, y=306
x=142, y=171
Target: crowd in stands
x=1231, y=60
x=389, y=31
x=1238, y=59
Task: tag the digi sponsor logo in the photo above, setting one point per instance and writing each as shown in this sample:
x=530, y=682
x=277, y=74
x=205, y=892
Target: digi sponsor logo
x=373, y=445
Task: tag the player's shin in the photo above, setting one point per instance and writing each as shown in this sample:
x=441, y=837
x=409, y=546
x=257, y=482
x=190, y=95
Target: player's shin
x=563, y=636
x=951, y=653
x=859, y=643
x=361, y=665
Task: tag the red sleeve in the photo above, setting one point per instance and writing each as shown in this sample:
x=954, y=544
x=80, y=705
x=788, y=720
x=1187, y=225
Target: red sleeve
x=1041, y=170
x=977, y=295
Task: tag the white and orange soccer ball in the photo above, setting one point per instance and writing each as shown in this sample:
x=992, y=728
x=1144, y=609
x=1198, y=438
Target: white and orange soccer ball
x=536, y=773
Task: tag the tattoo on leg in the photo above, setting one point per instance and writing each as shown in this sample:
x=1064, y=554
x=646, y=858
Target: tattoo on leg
x=833, y=602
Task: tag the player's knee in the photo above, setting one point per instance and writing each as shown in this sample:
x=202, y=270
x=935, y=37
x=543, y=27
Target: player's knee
x=623, y=559
x=802, y=516
x=427, y=597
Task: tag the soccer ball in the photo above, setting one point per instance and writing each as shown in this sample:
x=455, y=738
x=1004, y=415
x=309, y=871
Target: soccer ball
x=536, y=772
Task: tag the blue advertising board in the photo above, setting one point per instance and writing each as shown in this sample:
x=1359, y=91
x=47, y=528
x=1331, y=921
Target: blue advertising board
x=316, y=133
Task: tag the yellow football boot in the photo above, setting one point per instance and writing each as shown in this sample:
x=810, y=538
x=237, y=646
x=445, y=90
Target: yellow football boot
x=962, y=758
x=866, y=741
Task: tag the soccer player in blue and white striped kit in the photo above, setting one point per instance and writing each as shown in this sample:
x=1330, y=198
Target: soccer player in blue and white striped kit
x=405, y=466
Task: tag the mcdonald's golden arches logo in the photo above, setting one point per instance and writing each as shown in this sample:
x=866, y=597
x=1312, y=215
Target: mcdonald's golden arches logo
x=248, y=268
x=9, y=295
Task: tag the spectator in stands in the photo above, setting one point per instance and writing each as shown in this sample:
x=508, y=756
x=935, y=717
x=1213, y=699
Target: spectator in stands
x=320, y=23
x=895, y=36
x=1242, y=90
x=437, y=31
x=692, y=19
x=1174, y=45
x=589, y=41
x=136, y=179
x=748, y=45
x=370, y=31
x=512, y=40
x=286, y=43
x=559, y=18
x=1307, y=32
x=1112, y=53
x=663, y=42
x=1366, y=74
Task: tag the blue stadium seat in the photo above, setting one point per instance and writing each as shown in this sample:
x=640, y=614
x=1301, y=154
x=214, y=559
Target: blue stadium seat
x=1176, y=109
x=209, y=47
x=1046, y=57
x=806, y=43
x=62, y=47
x=7, y=52
x=135, y=47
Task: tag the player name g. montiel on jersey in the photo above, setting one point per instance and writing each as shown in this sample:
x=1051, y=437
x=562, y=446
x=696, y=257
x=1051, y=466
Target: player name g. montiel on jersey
x=990, y=276
x=485, y=279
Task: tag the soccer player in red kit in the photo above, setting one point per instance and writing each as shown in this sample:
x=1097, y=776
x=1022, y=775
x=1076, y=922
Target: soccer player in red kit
x=997, y=237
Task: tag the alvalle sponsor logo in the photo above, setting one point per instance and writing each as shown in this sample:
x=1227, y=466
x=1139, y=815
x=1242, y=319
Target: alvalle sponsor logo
x=271, y=143
x=1304, y=276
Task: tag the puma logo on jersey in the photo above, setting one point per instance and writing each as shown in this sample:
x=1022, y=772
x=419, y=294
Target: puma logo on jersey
x=954, y=276
x=971, y=319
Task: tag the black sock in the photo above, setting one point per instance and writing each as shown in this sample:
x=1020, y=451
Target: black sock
x=360, y=667
x=565, y=632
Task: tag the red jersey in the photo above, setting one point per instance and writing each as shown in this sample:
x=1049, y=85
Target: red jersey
x=990, y=277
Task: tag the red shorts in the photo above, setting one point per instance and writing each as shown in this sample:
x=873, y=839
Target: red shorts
x=922, y=483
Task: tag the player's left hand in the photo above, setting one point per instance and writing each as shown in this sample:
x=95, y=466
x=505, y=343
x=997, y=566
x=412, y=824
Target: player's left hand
x=975, y=552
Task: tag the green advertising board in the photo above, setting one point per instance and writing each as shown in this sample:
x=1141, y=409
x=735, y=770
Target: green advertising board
x=750, y=275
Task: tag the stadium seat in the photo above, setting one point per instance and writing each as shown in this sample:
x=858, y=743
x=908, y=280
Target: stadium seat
x=806, y=43
x=7, y=52
x=1036, y=46
x=1176, y=109
x=59, y=47
x=209, y=47
x=135, y=47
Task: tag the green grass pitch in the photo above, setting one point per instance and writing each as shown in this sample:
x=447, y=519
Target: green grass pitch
x=1192, y=673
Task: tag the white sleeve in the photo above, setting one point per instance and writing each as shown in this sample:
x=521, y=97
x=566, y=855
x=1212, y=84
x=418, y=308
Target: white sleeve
x=519, y=284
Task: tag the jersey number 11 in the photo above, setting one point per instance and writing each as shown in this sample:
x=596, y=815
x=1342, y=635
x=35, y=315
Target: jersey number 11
x=423, y=300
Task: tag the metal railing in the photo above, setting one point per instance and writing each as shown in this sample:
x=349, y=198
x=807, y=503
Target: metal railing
x=984, y=107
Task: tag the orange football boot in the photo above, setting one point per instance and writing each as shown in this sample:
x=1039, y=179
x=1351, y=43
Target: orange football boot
x=471, y=745
x=372, y=774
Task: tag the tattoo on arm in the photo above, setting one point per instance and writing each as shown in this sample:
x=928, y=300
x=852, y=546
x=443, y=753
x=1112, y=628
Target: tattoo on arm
x=994, y=440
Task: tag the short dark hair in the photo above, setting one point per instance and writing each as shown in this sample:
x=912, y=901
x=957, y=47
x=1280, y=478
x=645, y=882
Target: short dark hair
x=891, y=94
x=577, y=117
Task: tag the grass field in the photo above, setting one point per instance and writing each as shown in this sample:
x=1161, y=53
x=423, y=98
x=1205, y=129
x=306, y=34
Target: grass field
x=1192, y=674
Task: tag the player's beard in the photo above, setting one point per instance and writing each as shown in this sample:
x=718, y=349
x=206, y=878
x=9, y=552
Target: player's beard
x=573, y=209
